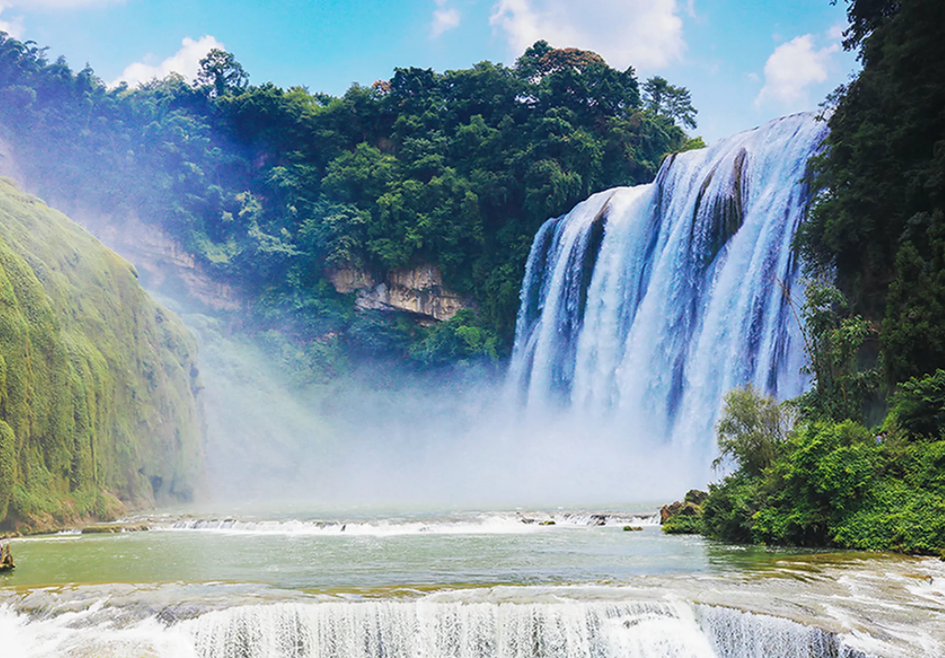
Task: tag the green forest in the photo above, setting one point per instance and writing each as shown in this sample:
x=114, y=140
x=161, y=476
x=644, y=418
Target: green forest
x=859, y=460
x=270, y=189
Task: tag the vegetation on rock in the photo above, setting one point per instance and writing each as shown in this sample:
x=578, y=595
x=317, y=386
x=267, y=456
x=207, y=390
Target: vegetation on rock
x=684, y=518
x=97, y=383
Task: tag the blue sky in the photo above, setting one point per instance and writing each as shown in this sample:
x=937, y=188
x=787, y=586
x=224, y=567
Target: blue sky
x=745, y=61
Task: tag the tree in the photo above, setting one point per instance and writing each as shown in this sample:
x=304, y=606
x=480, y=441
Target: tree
x=751, y=430
x=675, y=103
x=865, y=16
x=222, y=74
x=833, y=340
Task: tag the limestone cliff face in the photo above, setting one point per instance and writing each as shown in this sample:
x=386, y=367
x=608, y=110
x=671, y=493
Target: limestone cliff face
x=419, y=291
x=98, y=384
x=163, y=265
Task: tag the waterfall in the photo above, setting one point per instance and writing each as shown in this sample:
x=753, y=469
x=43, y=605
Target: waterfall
x=647, y=304
x=433, y=628
x=397, y=629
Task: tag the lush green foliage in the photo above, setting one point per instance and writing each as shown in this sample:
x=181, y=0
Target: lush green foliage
x=919, y=405
x=881, y=217
x=269, y=187
x=683, y=524
x=752, y=430
x=96, y=383
x=836, y=483
x=833, y=342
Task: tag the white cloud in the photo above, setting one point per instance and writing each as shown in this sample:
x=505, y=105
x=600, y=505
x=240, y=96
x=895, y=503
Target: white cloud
x=444, y=18
x=14, y=26
x=185, y=62
x=835, y=33
x=792, y=68
x=638, y=33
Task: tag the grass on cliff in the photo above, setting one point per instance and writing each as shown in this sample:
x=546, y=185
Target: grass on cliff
x=96, y=382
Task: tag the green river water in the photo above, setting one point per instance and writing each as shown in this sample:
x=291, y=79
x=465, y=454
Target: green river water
x=377, y=583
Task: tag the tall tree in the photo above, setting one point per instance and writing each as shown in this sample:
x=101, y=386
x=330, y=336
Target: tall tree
x=222, y=74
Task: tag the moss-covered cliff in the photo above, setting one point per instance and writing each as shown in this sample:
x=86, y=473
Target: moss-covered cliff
x=97, y=383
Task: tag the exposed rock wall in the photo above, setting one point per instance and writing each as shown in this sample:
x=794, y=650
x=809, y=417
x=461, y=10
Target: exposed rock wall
x=164, y=266
x=419, y=291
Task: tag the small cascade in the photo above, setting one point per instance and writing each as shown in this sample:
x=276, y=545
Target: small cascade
x=489, y=623
x=647, y=304
x=564, y=629
x=498, y=523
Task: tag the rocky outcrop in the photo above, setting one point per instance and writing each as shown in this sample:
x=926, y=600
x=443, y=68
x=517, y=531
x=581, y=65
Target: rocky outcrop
x=684, y=517
x=418, y=291
x=164, y=267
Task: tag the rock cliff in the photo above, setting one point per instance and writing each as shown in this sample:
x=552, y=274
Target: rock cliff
x=419, y=291
x=164, y=266
x=98, y=384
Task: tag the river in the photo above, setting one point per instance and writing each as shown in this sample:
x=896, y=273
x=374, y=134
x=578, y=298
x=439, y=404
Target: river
x=370, y=582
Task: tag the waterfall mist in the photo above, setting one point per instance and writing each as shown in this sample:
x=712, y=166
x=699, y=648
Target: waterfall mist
x=444, y=439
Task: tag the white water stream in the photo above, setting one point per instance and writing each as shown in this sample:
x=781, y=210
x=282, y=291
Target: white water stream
x=647, y=304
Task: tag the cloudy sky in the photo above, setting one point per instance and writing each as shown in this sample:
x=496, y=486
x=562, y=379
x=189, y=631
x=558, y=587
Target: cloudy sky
x=745, y=61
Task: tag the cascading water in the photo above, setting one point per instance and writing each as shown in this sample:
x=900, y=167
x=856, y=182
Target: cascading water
x=647, y=304
x=468, y=626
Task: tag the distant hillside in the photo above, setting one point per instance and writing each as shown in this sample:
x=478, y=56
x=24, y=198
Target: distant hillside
x=98, y=388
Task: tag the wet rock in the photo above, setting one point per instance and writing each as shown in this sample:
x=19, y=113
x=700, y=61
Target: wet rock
x=669, y=511
x=112, y=528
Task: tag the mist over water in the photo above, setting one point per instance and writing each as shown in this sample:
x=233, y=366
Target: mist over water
x=448, y=439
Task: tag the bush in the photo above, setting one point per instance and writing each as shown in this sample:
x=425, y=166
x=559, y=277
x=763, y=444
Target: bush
x=919, y=406
x=682, y=524
x=729, y=511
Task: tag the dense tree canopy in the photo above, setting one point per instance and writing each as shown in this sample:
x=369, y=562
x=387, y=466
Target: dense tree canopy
x=268, y=187
x=881, y=218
